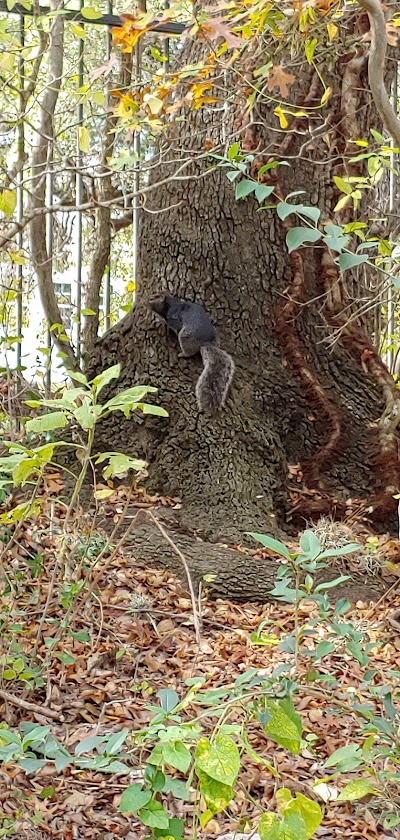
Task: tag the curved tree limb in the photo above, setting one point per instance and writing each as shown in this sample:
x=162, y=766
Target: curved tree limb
x=376, y=65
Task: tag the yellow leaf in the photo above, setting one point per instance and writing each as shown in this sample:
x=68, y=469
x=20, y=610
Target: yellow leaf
x=131, y=287
x=342, y=202
x=84, y=138
x=8, y=201
x=332, y=30
x=104, y=493
x=326, y=96
x=154, y=104
x=282, y=119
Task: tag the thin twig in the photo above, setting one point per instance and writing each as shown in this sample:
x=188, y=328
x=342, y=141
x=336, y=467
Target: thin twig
x=196, y=610
x=376, y=67
x=30, y=707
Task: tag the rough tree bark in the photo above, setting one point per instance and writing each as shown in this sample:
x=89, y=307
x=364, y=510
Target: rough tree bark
x=296, y=398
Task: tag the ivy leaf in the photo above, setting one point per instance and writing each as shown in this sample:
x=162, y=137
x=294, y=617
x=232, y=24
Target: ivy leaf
x=244, y=188
x=168, y=698
x=177, y=755
x=284, y=725
x=269, y=827
x=219, y=759
x=263, y=191
x=154, y=815
x=134, y=798
x=346, y=758
x=216, y=794
x=299, y=235
x=309, y=811
x=334, y=238
x=347, y=261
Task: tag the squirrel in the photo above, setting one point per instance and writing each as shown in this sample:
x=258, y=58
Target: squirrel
x=196, y=334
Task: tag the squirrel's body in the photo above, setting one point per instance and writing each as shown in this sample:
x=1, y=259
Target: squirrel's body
x=196, y=334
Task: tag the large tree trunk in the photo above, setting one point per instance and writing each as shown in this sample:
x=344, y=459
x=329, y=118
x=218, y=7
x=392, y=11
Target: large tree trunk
x=295, y=399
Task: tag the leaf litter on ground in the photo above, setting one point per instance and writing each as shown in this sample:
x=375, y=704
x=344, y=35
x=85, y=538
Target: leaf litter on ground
x=134, y=637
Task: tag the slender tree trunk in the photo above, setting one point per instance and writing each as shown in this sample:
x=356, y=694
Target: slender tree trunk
x=44, y=137
x=309, y=424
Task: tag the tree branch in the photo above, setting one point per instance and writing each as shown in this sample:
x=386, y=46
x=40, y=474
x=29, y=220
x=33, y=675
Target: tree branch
x=376, y=65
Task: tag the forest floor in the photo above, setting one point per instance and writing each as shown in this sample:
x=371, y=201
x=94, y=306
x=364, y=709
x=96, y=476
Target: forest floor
x=135, y=635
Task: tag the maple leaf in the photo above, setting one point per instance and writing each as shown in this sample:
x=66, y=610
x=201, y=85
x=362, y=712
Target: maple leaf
x=216, y=28
x=280, y=79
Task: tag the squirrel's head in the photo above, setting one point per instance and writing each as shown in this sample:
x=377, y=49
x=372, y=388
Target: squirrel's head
x=159, y=302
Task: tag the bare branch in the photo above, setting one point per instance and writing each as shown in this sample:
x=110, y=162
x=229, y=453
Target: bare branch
x=376, y=66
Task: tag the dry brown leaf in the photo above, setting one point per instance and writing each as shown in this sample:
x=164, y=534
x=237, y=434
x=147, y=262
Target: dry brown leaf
x=279, y=78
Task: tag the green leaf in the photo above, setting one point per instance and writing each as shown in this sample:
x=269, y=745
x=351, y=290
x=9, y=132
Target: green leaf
x=309, y=49
x=244, y=188
x=99, y=382
x=177, y=755
x=86, y=413
x=169, y=699
x=309, y=811
x=148, y=408
x=285, y=725
x=47, y=422
x=216, y=794
x=356, y=790
x=347, y=261
x=90, y=13
x=337, y=552
x=310, y=545
x=233, y=174
x=270, y=542
x=233, y=151
x=378, y=137
x=154, y=815
x=9, y=674
x=342, y=185
x=270, y=828
x=65, y=658
x=330, y=584
x=346, y=758
x=89, y=744
x=220, y=760
x=297, y=236
x=118, y=464
x=32, y=765
x=334, y=238
x=177, y=787
x=134, y=798
x=78, y=376
x=284, y=209
x=114, y=744
x=8, y=201
x=263, y=191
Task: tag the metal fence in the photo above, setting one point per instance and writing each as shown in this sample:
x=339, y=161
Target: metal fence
x=105, y=21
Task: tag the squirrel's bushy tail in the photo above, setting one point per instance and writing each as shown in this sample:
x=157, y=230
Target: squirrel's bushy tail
x=214, y=382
